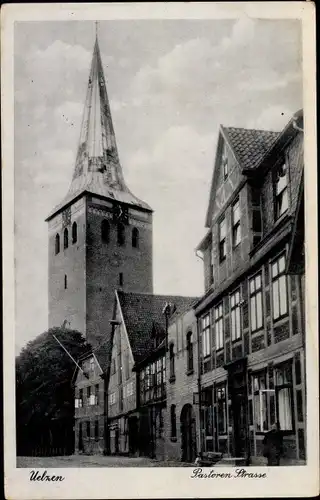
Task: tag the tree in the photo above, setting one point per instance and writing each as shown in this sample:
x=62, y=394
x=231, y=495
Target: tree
x=44, y=392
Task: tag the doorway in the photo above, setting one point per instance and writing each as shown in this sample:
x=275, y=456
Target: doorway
x=239, y=404
x=188, y=434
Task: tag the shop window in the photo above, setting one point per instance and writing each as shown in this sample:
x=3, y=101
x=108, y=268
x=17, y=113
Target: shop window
x=256, y=311
x=284, y=396
x=260, y=402
x=221, y=401
x=279, y=288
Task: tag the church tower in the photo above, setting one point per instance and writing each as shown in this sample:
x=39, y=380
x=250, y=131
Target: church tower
x=100, y=235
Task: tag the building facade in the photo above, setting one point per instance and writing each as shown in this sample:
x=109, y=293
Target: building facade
x=137, y=384
x=182, y=418
x=91, y=382
x=100, y=235
x=250, y=321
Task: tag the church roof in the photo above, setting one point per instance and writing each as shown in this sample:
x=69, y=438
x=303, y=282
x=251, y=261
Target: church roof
x=142, y=313
x=250, y=145
x=97, y=166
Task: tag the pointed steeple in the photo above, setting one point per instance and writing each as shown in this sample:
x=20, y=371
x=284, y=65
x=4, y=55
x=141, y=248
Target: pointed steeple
x=97, y=167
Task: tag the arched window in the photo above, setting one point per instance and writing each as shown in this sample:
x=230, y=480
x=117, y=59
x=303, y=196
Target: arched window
x=65, y=238
x=173, y=420
x=57, y=244
x=74, y=232
x=135, y=237
x=105, y=231
x=189, y=352
x=121, y=235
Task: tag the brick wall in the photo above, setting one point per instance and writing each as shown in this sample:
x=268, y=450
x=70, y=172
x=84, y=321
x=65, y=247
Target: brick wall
x=180, y=392
x=70, y=303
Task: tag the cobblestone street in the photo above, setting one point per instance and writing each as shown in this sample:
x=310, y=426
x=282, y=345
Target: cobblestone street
x=93, y=461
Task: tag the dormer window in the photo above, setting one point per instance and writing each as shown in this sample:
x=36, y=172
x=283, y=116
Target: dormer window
x=281, y=191
x=224, y=161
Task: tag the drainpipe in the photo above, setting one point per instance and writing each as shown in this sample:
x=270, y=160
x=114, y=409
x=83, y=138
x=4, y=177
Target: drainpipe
x=199, y=387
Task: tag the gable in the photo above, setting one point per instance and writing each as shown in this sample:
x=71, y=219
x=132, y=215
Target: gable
x=90, y=366
x=222, y=186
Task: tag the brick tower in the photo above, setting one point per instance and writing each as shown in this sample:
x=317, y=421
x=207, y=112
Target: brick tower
x=100, y=235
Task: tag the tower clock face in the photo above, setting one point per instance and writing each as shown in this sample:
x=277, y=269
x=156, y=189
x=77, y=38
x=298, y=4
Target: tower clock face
x=120, y=213
x=66, y=217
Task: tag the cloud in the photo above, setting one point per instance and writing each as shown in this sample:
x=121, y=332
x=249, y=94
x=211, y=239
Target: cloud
x=272, y=118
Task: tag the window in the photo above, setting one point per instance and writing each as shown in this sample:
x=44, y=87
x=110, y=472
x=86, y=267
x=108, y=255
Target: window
x=105, y=231
x=173, y=420
x=96, y=390
x=65, y=238
x=260, y=408
x=129, y=389
x=96, y=430
x=279, y=288
x=120, y=398
x=235, y=315
x=256, y=311
x=281, y=191
x=222, y=239
x=112, y=398
x=120, y=279
x=57, y=244
x=80, y=398
x=135, y=237
x=88, y=429
x=283, y=388
x=236, y=227
x=189, y=352
x=113, y=366
x=91, y=364
x=206, y=335
x=74, y=233
x=65, y=282
x=221, y=401
x=224, y=161
x=121, y=235
x=126, y=367
x=171, y=356
x=218, y=326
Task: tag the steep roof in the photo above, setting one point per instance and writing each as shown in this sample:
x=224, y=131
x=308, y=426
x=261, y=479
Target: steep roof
x=142, y=313
x=97, y=166
x=250, y=145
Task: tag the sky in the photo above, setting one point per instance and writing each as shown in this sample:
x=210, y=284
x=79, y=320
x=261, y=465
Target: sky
x=171, y=83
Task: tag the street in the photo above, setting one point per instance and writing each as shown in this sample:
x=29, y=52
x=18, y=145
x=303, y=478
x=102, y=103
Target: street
x=93, y=461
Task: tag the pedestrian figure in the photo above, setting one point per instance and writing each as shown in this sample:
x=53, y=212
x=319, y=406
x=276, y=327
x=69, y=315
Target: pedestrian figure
x=273, y=445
